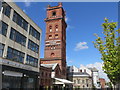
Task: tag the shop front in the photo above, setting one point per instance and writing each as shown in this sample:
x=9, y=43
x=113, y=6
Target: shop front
x=20, y=79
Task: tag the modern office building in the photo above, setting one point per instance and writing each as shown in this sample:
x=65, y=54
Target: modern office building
x=19, y=48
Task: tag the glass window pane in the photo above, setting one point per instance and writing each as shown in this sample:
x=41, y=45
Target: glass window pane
x=1, y=49
x=4, y=28
x=6, y=9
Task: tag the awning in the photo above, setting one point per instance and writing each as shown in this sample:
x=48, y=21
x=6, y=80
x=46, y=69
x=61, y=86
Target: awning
x=62, y=81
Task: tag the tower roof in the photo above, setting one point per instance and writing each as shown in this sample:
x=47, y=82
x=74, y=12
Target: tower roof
x=49, y=7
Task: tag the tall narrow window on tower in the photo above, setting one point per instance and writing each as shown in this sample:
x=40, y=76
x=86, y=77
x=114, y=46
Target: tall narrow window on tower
x=56, y=28
x=56, y=35
x=50, y=28
x=50, y=36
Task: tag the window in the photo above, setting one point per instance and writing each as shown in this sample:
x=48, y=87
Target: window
x=78, y=81
x=49, y=74
x=34, y=33
x=56, y=27
x=4, y=29
x=32, y=61
x=50, y=36
x=80, y=70
x=52, y=54
x=50, y=28
x=6, y=9
x=46, y=74
x=56, y=35
x=33, y=46
x=84, y=70
x=1, y=49
x=17, y=37
x=82, y=81
x=15, y=55
x=75, y=81
x=20, y=21
x=42, y=74
x=54, y=13
x=87, y=85
x=87, y=80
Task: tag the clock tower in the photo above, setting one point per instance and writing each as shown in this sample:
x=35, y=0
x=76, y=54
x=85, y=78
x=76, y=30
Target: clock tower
x=55, y=42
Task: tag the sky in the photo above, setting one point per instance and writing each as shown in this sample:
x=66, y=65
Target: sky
x=83, y=20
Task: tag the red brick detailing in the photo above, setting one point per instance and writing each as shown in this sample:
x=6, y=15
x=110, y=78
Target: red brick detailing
x=55, y=42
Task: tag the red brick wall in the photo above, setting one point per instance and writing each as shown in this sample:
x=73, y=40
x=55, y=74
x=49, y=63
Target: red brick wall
x=59, y=51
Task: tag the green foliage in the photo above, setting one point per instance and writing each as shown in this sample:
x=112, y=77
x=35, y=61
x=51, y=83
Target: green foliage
x=109, y=84
x=109, y=47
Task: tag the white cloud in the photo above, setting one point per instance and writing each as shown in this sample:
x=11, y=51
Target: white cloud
x=66, y=19
x=99, y=65
x=28, y=2
x=81, y=45
x=70, y=61
x=24, y=10
x=69, y=27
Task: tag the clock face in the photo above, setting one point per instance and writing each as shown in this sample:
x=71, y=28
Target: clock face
x=52, y=42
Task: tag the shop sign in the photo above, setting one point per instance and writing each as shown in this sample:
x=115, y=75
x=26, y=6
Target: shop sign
x=14, y=64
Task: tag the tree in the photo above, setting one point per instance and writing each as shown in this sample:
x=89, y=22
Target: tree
x=109, y=47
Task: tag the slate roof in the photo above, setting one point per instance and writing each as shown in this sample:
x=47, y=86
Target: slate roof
x=79, y=74
x=93, y=69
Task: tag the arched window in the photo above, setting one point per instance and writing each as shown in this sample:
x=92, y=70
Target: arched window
x=56, y=27
x=52, y=54
x=50, y=36
x=80, y=70
x=50, y=28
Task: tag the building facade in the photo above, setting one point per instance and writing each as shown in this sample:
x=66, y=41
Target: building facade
x=55, y=42
x=19, y=48
x=80, y=78
x=95, y=76
x=46, y=80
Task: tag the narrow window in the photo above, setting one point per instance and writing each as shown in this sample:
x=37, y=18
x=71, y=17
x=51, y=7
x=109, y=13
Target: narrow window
x=6, y=9
x=50, y=28
x=4, y=29
x=80, y=70
x=56, y=27
x=1, y=49
x=75, y=81
x=56, y=35
x=50, y=36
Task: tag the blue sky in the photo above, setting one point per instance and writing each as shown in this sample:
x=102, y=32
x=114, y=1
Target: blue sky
x=83, y=20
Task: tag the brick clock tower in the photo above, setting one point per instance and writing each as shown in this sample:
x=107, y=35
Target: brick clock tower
x=55, y=42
